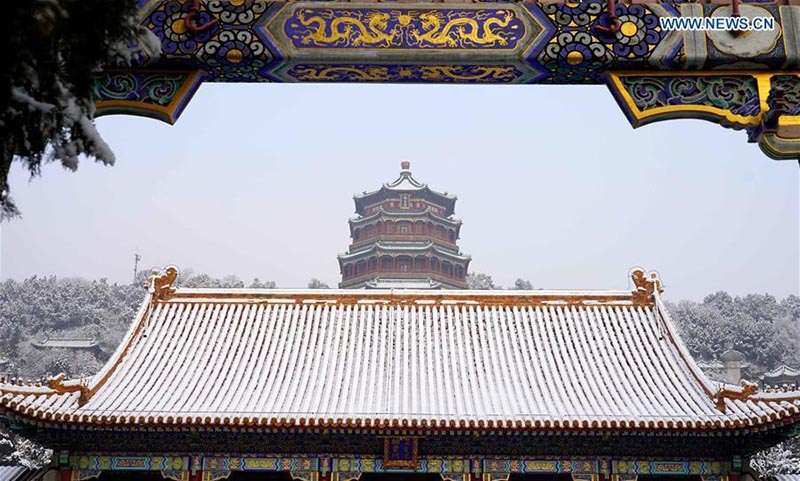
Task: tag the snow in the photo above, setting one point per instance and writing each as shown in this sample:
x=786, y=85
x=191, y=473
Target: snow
x=545, y=356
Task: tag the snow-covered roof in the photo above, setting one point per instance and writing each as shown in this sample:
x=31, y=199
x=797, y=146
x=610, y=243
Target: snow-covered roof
x=21, y=473
x=405, y=183
x=12, y=473
x=403, y=246
x=782, y=372
x=67, y=343
x=387, y=283
x=502, y=361
x=381, y=213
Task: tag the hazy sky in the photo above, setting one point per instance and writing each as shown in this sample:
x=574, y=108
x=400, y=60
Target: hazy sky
x=553, y=186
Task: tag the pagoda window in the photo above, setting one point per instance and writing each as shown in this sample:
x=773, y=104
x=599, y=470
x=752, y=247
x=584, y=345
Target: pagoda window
x=420, y=227
x=419, y=263
x=356, y=234
x=459, y=272
x=435, y=264
x=361, y=267
x=389, y=227
x=404, y=228
x=368, y=231
x=451, y=234
x=386, y=263
x=373, y=264
x=429, y=231
x=440, y=232
x=379, y=228
x=447, y=269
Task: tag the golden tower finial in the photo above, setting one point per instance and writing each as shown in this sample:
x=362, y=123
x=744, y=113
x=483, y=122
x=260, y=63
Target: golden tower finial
x=405, y=166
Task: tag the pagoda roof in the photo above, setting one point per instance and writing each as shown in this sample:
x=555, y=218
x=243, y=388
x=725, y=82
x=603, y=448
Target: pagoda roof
x=781, y=372
x=372, y=360
x=406, y=183
x=381, y=213
x=67, y=343
x=388, y=283
x=403, y=246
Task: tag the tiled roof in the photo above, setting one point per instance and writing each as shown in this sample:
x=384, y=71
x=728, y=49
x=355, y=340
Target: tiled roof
x=406, y=183
x=404, y=246
x=461, y=360
x=389, y=283
x=12, y=473
x=382, y=213
x=67, y=343
x=782, y=371
x=21, y=473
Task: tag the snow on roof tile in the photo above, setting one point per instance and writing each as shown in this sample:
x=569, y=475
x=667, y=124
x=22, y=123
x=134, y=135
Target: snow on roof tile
x=499, y=360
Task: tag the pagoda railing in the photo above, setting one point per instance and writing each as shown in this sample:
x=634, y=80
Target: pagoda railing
x=460, y=282
x=405, y=237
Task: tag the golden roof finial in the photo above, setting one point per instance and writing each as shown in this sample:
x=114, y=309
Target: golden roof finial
x=161, y=287
x=405, y=166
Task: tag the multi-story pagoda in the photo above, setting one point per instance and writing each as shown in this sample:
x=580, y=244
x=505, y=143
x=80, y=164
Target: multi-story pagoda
x=404, y=236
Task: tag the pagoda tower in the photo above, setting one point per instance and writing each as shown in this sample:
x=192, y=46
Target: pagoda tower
x=404, y=236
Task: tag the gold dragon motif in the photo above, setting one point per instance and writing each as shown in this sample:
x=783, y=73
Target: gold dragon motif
x=347, y=31
x=478, y=74
x=459, y=31
x=341, y=73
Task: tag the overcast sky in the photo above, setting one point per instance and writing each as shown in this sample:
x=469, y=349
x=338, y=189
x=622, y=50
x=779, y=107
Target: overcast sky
x=553, y=186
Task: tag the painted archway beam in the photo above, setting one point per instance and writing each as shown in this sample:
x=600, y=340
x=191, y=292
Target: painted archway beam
x=470, y=42
x=765, y=105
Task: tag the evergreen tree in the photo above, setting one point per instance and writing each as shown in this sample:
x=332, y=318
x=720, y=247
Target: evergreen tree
x=315, y=283
x=479, y=280
x=51, y=52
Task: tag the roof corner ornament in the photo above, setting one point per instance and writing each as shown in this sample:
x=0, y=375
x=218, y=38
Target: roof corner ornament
x=745, y=391
x=160, y=286
x=57, y=384
x=646, y=286
x=85, y=395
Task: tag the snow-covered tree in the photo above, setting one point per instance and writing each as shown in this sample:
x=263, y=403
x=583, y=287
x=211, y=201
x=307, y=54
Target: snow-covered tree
x=766, y=331
x=16, y=450
x=523, y=285
x=779, y=459
x=257, y=284
x=50, y=53
x=231, y=282
x=315, y=283
x=479, y=280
